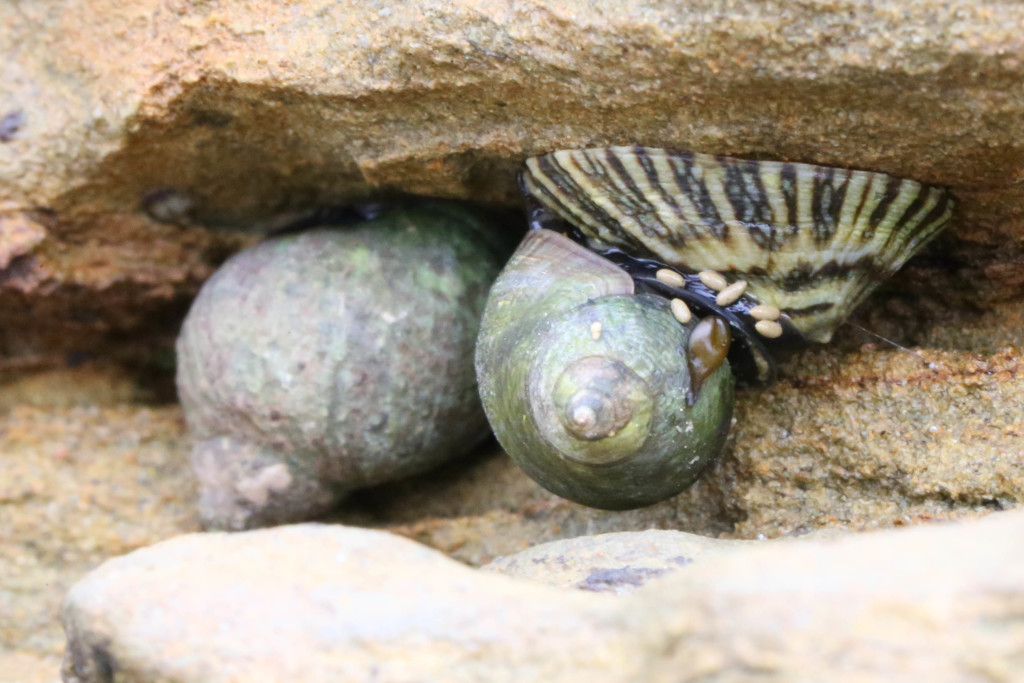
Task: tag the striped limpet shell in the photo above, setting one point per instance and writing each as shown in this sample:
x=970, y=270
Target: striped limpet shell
x=783, y=251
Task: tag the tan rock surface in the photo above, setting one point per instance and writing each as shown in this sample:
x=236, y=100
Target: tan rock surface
x=227, y=113
x=326, y=603
x=313, y=602
x=223, y=113
x=345, y=97
x=79, y=463
x=82, y=482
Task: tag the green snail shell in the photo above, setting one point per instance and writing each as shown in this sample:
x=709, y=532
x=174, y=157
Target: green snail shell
x=587, y=385
x=811, y=241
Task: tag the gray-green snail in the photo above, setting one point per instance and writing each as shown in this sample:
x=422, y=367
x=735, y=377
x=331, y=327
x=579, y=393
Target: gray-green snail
x=586, y=383
x=601, y=358
x=328, y=359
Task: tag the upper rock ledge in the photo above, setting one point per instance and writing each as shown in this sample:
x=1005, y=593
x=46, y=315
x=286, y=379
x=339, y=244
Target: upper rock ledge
x=252, y=106
x=225, y=113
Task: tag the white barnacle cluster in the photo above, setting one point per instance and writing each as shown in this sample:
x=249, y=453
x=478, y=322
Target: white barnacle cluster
x=766, y=316
x=679, y=308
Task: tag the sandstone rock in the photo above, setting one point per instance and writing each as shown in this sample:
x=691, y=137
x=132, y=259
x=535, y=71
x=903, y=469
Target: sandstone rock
x=941, y=603
x=89, y=385
x=83, y=481
x=25, y=668
x=368, y=96
x=331, y=603
x=447, y=98
x=320, y=603
x=241, y=111
x=611, y=563
x=19, y=235
x=77, y=478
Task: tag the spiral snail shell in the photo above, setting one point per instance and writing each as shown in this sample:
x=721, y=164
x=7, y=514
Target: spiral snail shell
x=587, y=385
x=601, y=359
x=333, y=356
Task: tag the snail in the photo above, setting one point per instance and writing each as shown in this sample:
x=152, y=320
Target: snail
x=330, y=358
x=713, y=257
x=586, y=383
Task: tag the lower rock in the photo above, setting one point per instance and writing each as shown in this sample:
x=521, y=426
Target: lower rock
x=316, y=603
x=327, y=603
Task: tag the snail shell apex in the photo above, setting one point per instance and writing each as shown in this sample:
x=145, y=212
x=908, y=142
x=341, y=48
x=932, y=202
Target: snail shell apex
x=600, y=399
x=605, y=418
x=812, y=241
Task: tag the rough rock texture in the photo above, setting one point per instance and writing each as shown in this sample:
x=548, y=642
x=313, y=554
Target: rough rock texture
x=335, y=358
x=119, y=294
x=85, y=460
x=320, y=603
x=85, y=477
x=227, y=112
x=611, y=563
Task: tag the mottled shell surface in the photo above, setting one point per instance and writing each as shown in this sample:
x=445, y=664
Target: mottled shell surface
x=325, y=360
x=812, y=241
x=587, y=385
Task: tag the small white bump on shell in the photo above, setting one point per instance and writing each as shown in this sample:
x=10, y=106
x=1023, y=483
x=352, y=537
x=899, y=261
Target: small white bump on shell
x=713, y=280
x=731, y=293
x=671, y=278
x=681, y=311
x=595, y=330
x=768, y=328
x=765, y=312
x=583, y=417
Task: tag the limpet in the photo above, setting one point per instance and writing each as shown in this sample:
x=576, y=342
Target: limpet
x=810, y=242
